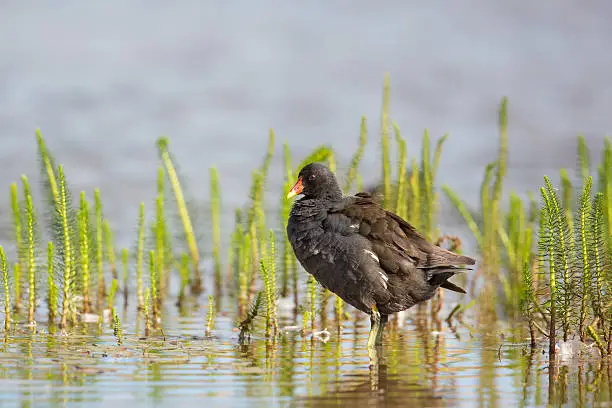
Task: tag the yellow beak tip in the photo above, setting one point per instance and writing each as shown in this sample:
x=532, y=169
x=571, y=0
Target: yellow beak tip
x=291, y=195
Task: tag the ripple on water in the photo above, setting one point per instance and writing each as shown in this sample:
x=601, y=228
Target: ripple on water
x=420, y=367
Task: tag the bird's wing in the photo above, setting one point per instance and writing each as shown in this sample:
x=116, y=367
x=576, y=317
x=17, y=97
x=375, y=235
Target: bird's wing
x=398, y=245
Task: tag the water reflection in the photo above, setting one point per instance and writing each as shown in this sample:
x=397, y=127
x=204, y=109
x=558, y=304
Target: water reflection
x=423, y=362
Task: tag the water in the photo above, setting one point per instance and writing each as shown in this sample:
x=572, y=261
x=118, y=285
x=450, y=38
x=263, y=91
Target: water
x=433, y=365
x=104, y=81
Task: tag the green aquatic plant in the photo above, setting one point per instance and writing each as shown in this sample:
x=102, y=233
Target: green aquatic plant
x=99, y=242
x=401, y=203
x=52, y=294
x=516, y=237
x=583, y=158
x=162, y=145
x=272, y=277
x=47, y=169
x=30, y=247
x=245, y=265
x=268, y=274
x=124, y=263
x=233, y=252
x=256, y=218
x=110, y=301
x=17, y=227
x=353, y=168
x=575, y=257
x=601, y=276
x=210, y=320
x=147, y=317
x=140, y=254
x=246, y=325
x=84, y=250
x=215, y=205
x=429, y=169
x=584, y=234
x=527, y=299
x=109, y=245
x=67, y=248
x=339, y=309
x=305, y=322
x=384, y=135
x=285, y=208
x=183, y=269
x=605, y=187
x=17, y=286
x=255, y=221
x=486, y=234
x=117, y=332
x=154, y=279
x=7, y=292
x=312, y=296
x=161, y=233
x=563, y=244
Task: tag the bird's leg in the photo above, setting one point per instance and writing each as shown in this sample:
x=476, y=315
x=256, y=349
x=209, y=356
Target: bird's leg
x=381, y=330
x=376, y=335
x=375, y=321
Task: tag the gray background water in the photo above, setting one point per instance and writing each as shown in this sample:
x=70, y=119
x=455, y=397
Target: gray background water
x=104, y=80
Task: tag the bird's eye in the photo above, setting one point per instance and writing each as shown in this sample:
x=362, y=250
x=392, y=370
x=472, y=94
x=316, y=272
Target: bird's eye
x=312, y=177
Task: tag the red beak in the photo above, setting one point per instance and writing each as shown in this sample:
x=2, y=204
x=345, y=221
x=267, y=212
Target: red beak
x=297, y=188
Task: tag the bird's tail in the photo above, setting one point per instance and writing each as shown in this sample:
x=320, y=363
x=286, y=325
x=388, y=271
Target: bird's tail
x=441, y=258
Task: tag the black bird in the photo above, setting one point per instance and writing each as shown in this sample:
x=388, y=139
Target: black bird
x=372, y=258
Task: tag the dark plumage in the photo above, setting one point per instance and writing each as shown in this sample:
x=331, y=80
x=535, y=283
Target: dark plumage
x=370, y=257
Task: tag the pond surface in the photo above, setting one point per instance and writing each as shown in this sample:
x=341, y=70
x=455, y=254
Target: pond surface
x=423, y=364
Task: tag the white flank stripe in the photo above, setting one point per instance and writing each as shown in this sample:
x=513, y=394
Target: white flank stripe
x=372, y=254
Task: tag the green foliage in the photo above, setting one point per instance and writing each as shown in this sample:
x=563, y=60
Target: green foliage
x=487, y=233
x=52, y=295
x=184, y=272
x=357, y=156
x=7, y=293
x=577, y=260
x=384, y=134
x=118, y=333
x=66, y=240
x=154, y=280
x=140, y=255
x=109, y=245
x=124, y=264
x=147, y=316
x=30, y=248
x=215, y=199
x=111, y=294
x=84, y=250
x=268, y=274
x=312, y=295
x=17, y=223
x=210, y=320
x=162, y=252
x=171, y=172
x=99, y=242
x=246, y=325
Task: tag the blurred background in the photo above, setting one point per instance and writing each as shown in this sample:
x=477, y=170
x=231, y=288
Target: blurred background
x=104, y=80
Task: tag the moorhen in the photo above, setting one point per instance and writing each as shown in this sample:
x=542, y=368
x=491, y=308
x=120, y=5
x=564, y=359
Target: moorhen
x=372, y=258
